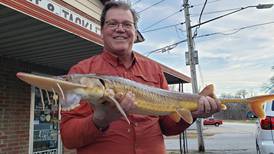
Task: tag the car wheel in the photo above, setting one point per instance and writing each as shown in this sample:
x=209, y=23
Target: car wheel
x=217, y=124
x=257, y=148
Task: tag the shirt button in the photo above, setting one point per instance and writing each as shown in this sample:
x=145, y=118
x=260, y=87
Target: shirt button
x=128, y=130
x=136, y=124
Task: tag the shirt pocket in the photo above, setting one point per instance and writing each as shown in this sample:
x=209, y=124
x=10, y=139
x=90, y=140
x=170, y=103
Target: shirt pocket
x=151, y=80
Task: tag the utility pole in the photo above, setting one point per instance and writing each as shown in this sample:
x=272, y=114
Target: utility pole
x=192, y=63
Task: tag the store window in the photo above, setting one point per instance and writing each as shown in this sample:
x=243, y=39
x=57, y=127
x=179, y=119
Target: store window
x=44, y=132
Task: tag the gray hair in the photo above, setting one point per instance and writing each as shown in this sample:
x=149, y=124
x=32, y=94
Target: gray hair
x=118, y=4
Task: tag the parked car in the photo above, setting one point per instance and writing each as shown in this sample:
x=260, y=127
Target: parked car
x=212, y=121
x=265, y=131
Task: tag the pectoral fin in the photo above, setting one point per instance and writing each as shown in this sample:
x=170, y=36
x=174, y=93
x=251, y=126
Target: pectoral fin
x=175, y=117
x=182, y=113
x=117, y=104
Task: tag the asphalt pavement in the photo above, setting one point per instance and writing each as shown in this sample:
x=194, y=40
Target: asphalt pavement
x=229, y=138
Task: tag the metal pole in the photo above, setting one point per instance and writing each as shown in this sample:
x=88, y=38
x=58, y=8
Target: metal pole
x=180, y=135
x=201, y=146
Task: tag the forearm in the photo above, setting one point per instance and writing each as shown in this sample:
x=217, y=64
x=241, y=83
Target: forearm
x=170, y=127
x=79, y=132
x=77, y=127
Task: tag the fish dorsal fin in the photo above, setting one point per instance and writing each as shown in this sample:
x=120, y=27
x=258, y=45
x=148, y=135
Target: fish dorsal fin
x=185, y=115
x=208, y=91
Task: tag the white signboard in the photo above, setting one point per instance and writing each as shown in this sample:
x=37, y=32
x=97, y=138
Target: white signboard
x=67, y=14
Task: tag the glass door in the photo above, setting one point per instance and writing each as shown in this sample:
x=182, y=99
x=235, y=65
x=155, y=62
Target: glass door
x=44, y=132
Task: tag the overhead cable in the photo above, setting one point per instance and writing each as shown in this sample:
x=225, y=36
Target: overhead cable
x=150, y=6
x=213, y=12
x=164, y=27
x=136, y=2
x=172, y=46
x=166, y=48
x=162, y=19
x=235, y=30
x=200, y=18
x=207, y=2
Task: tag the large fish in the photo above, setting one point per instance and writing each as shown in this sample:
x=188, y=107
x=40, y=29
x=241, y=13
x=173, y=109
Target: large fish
x=148, y=100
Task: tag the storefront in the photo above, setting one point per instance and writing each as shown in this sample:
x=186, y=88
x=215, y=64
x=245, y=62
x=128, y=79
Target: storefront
x=44, y=37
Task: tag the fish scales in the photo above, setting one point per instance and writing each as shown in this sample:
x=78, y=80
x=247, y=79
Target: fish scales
x=148, y=99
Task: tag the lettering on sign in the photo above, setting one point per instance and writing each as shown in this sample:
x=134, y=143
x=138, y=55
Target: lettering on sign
x=67, y=14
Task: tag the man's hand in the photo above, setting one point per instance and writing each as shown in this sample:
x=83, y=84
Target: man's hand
x=207, y=106
x=106, y=111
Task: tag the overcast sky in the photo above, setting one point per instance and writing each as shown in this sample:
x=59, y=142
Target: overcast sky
x=232, y=59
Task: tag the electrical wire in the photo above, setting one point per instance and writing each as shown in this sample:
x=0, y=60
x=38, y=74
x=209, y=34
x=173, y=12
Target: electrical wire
x=136, y=2
x=235, y=30
x=207, y=2
x=200, y=18
x=164, y=27
x=150, y=6
x=166, y=48
x=213, y=12
x=172, y=46
x=162, y=19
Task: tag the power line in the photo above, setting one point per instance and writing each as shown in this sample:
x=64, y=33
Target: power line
x=150, y=6
x=213, y=12
x=162, y=19
x=172, y=46
x=236, y=30
x=136, y=2
x=164, y=27
x=166, y=48
x=207, y=2
x=200, y=18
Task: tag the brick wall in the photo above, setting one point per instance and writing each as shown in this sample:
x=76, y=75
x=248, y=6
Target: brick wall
x=15, y=105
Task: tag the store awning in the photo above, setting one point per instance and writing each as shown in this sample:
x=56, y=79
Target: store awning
x=40, y=41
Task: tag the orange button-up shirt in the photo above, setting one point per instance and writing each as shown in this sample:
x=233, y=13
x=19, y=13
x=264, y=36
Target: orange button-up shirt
x=145, y=133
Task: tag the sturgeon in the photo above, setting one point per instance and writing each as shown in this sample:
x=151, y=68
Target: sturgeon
x=148, y=100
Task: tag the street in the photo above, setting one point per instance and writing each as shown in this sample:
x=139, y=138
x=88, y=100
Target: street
x=235, y=138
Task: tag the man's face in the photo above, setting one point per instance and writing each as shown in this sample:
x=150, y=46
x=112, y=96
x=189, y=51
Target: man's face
x=118, y=32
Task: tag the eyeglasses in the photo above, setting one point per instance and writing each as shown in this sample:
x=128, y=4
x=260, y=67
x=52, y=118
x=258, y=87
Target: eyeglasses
x=112, y=24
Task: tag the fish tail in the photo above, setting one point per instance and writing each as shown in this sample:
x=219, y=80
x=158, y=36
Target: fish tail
x=256, y=104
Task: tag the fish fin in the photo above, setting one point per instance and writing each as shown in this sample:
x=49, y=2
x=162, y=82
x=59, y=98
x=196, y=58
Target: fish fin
x=175, y=117
x=185, y=115
x=117, y=104
x=256, y=104
x=208, y=91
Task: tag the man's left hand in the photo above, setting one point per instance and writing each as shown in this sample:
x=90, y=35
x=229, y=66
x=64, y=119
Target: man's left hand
x=207, y=106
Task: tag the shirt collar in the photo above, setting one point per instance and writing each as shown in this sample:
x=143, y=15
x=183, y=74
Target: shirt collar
x=113, y=60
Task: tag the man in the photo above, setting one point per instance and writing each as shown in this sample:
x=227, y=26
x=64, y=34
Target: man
x=101, y=129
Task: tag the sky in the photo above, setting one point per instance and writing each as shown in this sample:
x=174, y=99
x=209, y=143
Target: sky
x=232, y=59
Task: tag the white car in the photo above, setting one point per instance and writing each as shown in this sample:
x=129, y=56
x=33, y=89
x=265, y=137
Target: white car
x=265, y=131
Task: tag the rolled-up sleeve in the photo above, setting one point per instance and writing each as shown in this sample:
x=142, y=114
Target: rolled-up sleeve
x=77, y=127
